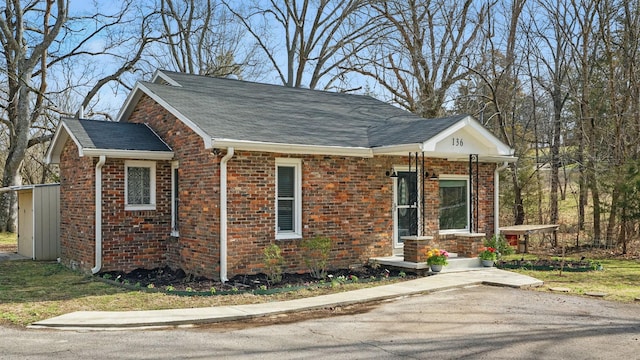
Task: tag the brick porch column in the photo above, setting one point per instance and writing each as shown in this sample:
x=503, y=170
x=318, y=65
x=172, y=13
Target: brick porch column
x=415, y=248
x=469, y=244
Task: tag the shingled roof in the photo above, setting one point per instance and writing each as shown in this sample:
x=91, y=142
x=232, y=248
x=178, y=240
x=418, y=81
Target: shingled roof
x=94, y=134
x=271, y=118
x=241, y=110
x=124, y=140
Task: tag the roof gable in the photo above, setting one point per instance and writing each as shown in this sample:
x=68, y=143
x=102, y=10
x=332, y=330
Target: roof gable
x=123, y=140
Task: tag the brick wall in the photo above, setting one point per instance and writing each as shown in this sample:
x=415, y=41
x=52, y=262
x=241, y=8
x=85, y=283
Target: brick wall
x=131, y=239
x=134, y=239
x=196, y=250
x=77, y=209
x=347, y=199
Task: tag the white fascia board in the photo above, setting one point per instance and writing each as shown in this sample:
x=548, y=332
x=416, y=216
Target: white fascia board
x=135, y=96
x=57, y=143
x=394, y=150
x=53, y=153
x=498, y=159
x=292, y=148
x=481, y=158
x=158, y=74
x=130, y=154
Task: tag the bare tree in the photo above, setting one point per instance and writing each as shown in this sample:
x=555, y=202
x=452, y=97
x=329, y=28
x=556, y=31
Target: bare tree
x=318, y=36
x=620, y=28
x=586, y=46
x=25, y=43
x=552, y=50
x=428, y=49
x=41, y=45
x=493, y=92
x=202, y=37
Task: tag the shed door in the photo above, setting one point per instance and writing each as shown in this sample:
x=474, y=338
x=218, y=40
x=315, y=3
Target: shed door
x=25, y=223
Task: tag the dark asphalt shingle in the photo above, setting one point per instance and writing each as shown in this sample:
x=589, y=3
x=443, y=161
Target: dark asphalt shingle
x=95, y=134
x=241, y=110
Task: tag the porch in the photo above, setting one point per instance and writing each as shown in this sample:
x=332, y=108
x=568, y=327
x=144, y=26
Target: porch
x=456, y=264
x=462, y=248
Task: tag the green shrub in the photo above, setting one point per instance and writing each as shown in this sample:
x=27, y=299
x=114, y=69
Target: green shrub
x=316, y=255
x=273, y=261
x=500, y=244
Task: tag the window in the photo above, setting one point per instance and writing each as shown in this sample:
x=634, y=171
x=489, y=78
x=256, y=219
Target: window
x=175, y=199
x=454, y=204
x=288, y=199
x=140, y=185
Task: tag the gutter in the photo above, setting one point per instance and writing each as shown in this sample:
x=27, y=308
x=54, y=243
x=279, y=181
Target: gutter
x=496, y=197
x=223, y=214
x=98, y=225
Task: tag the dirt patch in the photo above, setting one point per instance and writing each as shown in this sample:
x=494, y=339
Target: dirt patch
x=8, y=248
x=289, y=318
x=178, y=281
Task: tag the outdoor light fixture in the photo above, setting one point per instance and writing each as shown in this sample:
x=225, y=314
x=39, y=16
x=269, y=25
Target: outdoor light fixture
x=431, y=175
x=392, y=173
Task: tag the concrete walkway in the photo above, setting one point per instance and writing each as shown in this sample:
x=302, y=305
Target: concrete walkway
x=6, y=256
x=111, y=320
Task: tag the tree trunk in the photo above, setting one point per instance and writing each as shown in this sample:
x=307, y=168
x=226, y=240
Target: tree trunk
x=582, y=186
x=555, y=156
x=611, y=224
x=16, y=153
x=518, y=208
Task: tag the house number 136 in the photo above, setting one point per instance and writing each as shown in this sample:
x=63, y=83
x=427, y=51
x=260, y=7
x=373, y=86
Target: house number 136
x=457, y=142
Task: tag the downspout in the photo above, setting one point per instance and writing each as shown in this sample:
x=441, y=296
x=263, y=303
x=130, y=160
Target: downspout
x=496, y=197
x=98, y=225
x=223, y=214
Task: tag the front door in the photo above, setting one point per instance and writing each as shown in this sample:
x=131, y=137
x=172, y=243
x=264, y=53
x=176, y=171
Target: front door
x=405, y=214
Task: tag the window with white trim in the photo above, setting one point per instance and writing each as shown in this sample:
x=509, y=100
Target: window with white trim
x=454, y=204
x=288, y=198
x=175, y=199
x=140, y=185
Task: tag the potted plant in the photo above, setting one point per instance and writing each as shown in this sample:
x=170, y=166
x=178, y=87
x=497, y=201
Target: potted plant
x=436, y=259
x=488, y=256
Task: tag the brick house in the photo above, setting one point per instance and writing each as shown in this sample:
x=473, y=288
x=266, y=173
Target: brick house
x=203, y=173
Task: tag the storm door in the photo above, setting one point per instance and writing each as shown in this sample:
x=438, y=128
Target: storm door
x=405, y=217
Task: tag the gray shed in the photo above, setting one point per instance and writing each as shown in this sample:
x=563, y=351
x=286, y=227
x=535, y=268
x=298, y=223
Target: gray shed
x=39, y=221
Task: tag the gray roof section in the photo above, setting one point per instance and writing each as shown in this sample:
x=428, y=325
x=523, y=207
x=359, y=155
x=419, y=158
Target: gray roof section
x=410, y=132
x=108, y=135
x=241, y=110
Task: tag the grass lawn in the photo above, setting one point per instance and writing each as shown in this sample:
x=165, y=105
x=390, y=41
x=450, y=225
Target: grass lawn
x=7, y=238
x=32, y=291
x=619, y=279
x=8, y=242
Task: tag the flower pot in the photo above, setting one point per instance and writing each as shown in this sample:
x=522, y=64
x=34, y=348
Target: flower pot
x=436, y=268
x=487, y=263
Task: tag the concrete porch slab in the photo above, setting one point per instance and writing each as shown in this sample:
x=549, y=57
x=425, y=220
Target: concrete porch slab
x=455, y=263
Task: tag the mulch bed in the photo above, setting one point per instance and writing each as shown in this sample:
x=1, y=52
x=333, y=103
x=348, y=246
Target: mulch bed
x=548, y=265
x=178, y=282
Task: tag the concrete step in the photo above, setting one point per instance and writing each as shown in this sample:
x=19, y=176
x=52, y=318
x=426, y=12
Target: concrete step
x=456, y=263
